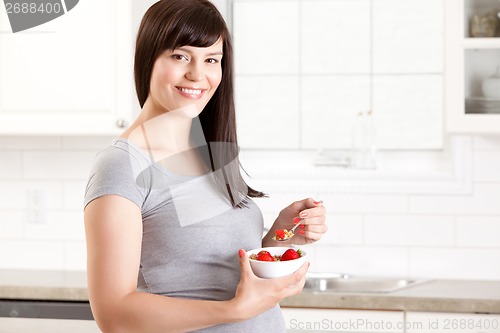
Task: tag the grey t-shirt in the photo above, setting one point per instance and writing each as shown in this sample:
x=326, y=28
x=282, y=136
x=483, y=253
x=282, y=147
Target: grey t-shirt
x=191, y=234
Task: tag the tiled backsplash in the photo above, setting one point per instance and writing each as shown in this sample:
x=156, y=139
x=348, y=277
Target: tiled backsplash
x=448, y=236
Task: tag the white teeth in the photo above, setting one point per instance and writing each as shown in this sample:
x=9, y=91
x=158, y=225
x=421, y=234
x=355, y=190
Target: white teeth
x=191, y=91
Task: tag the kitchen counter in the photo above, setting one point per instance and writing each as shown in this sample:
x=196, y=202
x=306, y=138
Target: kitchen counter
x=30, y=325
x=43, y=285
x=468, y=296
x=436, y=295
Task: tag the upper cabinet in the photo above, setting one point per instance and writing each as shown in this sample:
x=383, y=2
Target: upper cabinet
x=305, y=70
x=472, y=66
x=70, y=76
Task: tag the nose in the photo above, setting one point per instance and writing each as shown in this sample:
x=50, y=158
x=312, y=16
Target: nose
x=194, y=73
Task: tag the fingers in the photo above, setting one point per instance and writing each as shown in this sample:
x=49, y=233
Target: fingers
x=294, y=283
x=313, y=231
x=317, y=210
x=245, y=268
x=305, y=204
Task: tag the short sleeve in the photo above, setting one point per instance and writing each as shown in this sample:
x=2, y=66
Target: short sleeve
x=115, y=171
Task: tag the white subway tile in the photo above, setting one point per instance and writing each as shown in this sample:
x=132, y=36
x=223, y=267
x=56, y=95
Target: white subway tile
x=478, y=231
x=57, y=165
x=487, y=166
x=13, y=195
x=375, y=261
x=75, y=256
x=455, y=263
x=73, y=195
x=335, y=37
x=486, y=142
x=59, y=226
x=53, y=191
x=30, y=142
x=343, y=229
x=275, y=202
x=11, y=224
x=311, y=256
x=409, y=230
x=24, y=254
x=268, y=112
x=366, y=203
x=403, y=34
x=94, y=143
x=483, y=201
x=11, y=165
x=329, y=108
x=408, y=111
x=266, y=37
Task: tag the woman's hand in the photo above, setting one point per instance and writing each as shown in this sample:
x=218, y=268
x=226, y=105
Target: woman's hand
x=312, y=214
x=255, y=295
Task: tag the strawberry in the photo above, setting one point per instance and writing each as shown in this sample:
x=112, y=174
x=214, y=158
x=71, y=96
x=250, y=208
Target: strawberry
x=280, y=234
x=264, y=252
x=290, y=254
x=264, y=256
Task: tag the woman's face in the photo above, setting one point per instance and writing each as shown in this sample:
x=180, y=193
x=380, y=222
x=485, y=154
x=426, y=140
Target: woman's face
x=186, y=78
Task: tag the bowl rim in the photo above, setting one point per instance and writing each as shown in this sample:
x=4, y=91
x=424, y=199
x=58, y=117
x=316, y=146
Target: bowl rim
x=304, y=254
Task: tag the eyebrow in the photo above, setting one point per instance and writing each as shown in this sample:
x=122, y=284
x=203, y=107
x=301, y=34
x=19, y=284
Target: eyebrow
x=208, y=54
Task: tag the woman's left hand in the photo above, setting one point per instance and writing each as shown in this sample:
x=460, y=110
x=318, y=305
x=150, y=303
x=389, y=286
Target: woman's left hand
x=312, y=214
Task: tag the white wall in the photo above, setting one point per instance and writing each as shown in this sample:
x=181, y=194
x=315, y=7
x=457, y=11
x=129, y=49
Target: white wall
x=452, y=236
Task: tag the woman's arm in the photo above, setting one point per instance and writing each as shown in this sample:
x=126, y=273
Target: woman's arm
x=113, y=229
x=312, y=228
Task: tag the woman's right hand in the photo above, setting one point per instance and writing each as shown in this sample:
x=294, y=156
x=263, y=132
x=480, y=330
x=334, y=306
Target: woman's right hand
x=255, y=295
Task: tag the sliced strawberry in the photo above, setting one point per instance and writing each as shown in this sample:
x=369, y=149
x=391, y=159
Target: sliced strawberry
x=280, y=234
x=264, y=256
x=290, y=254
x=264, y=252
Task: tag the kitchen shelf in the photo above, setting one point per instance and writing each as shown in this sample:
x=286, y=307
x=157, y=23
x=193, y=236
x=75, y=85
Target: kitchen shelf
x=481, y=43
x=469, y=61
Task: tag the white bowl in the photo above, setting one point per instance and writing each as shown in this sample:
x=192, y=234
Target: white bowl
x=274, y=269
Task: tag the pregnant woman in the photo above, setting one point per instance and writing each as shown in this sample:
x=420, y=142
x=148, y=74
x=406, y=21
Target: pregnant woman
x=167, y=212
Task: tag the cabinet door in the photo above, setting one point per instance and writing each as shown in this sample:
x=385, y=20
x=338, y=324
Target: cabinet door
x=470, y=59
x=72, y=75
x=332, y=320
x=427, y=322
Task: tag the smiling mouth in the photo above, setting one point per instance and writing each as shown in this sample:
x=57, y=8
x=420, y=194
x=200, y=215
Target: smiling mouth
x=191, y=93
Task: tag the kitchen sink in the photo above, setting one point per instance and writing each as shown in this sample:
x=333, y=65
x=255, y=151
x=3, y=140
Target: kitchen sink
x=344, y=283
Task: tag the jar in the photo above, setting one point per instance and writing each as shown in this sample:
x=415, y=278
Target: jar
x=491, y=85
x=484, y=25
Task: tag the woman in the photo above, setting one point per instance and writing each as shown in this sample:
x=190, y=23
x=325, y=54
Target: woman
x=167, y=213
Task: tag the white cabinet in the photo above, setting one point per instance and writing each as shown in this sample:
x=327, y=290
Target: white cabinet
x=72, y=75
x=333, y=320
x=427, y=322
x=305, y=69
x=300, y=320
x=471, y=57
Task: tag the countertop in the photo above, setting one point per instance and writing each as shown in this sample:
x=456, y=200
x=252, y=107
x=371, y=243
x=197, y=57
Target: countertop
x=468, y=296
x=30, y=325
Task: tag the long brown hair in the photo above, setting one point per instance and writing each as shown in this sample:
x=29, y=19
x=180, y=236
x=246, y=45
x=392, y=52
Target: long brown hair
x=169, y=24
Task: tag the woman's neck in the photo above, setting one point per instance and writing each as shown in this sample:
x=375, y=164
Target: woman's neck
x=161, y=132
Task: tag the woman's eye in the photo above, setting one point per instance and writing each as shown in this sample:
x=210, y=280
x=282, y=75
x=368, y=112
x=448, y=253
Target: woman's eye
x=179, y=57
x=212, y=61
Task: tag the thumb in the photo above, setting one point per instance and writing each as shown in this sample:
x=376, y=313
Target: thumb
x=244, y=263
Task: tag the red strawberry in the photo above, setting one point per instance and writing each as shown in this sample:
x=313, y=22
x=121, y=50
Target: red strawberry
x=290, y=254
x=264, y=256
x=280, y=234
